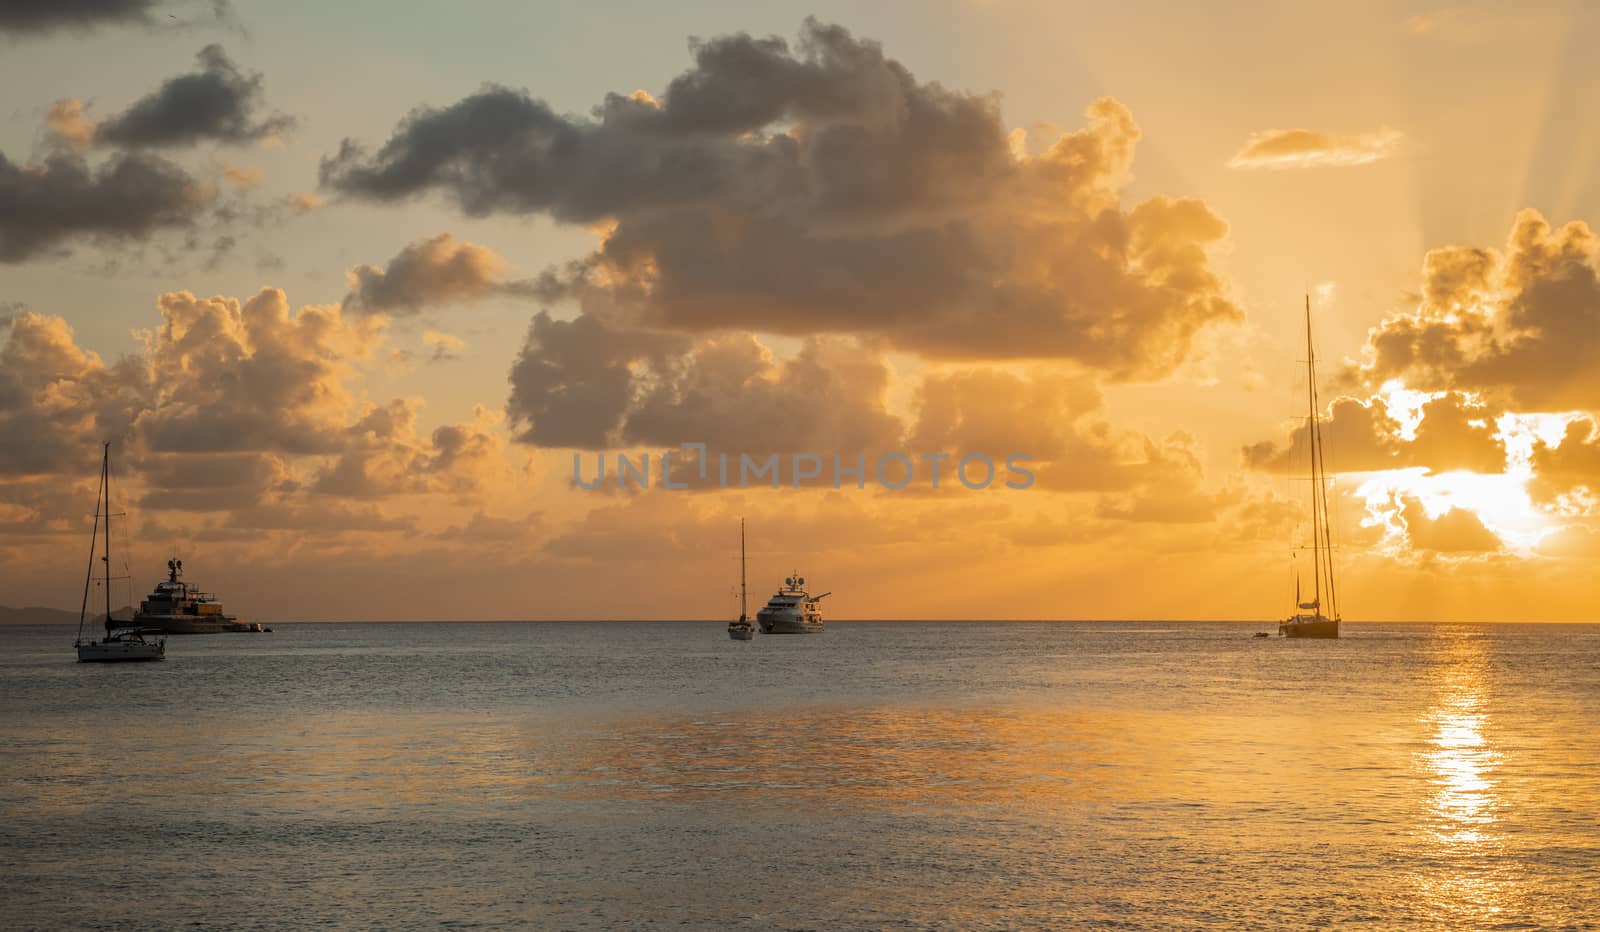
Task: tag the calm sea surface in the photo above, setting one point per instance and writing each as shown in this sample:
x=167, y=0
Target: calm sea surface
x=884, y=775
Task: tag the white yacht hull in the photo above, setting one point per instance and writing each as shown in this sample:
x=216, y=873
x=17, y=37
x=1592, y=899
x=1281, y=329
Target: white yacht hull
x=787, y=624
x=115, y=651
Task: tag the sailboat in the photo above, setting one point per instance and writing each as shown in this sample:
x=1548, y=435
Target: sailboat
x=743, y=629
x=1319, y=617
x=127, y=644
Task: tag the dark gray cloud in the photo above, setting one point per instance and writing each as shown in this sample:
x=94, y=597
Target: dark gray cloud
x=573, y=382
x=217, y=103
x=825, y=189
x=24, y=17
x=211, y=482
x=127, y=197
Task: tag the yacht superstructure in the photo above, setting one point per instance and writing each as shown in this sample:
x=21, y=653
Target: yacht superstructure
x=175, y=607
x=792, y=610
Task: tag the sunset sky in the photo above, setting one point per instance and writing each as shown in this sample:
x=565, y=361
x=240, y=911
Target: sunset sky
x=348, y=285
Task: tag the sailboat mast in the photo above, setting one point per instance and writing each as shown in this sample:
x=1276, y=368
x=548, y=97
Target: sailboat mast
x=1312, y=435
x=105, y=480
x=742, y=613
x=94, y=538
x=1322, y=526
x=1327, y=524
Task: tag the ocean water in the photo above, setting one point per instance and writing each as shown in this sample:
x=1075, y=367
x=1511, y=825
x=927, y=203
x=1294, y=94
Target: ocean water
x=877, y=776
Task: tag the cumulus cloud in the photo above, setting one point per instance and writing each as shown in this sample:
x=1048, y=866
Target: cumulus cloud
x=245, y=376
x=57, y=402
x=217, y=103
x=44, y=206
x=1304, y=148
x=585, y=383
x=1056, y=419
x=731, y=393
x=1361, y=435
x=239, y=412
x=573, y=382
x=1570, y=464
x=825, y=189
x=384, y=457
x=429, y=272
x=1455, y=530
x=1519, y=326
x=213, y=481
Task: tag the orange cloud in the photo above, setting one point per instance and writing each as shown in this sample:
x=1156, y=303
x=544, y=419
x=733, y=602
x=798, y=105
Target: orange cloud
x=243, y=177
x=1454, y=531
x=1519, y=326
x=427, y=272
x=304, y=203
x=70, y=125
x=384, y=457
x=57, y=401
x=1452, y=433
x=444, y=346
x=1303, y=148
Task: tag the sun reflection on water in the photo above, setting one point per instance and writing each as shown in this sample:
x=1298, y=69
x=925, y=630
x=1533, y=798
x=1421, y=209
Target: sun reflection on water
x=1464, y=799
x=1461, y=763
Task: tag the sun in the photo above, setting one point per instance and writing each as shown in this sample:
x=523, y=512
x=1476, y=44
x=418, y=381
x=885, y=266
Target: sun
x=1500, y=501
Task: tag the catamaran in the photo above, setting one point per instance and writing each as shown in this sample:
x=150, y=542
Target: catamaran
x=792, y=610
x=741, y=630
x=129, y=643
x=1318, y=618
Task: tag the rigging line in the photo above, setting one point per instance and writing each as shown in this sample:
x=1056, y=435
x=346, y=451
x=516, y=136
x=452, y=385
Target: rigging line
x=1311, y=444
x=105, y=472
x=127, y=547
x=1322, y=469
x=88, y=574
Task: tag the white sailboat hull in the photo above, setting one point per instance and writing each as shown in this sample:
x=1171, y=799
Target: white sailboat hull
x=119, y=651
